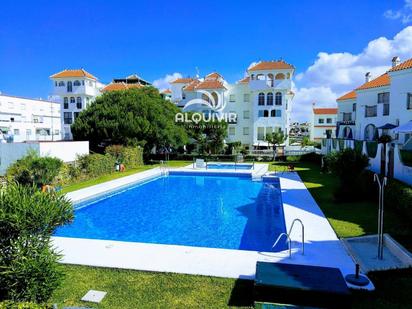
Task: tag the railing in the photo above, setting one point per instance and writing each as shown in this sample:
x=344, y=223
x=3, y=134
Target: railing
x=289, y=239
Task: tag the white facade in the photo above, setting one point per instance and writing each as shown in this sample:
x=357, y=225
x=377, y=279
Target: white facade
x=386, y=100
x=262, y=101
x=74, y=90
x=323, y=123
x=23, y=119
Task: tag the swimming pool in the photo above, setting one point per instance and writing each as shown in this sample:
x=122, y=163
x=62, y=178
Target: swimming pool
x=220, y=166
x=231, y=212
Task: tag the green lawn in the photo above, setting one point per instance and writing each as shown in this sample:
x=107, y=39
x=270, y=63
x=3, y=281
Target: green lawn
x=137, y=289
x=104, y=178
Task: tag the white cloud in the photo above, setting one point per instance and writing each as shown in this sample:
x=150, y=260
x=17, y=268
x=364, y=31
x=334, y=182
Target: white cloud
x=333, y=74
x=404, y=14
x=164, y=82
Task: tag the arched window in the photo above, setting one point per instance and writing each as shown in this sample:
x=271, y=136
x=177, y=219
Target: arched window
x=278, y=98
x=260, y=77
x=280, y=76
x=265, y=113
x=79, y=100
x=347, y=132
x=261, y=99
x=288, y=75
x=69, y=86
x=66, y=100
x=72, y=100
x=371, y=133
x=273, y=113
x=76, y=83
x=270, y=82
x=79, y=103
x=269, y=98
x=252, y=77
x=61, y=83
x=216, y=98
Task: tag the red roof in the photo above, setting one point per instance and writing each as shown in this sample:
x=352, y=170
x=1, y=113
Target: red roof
x=402, y=66
x=271, y=65
x=167, y=91
x=347, y=96
x=210, y=84
x=182, y=80
x=325, y=111
x=213, y=75
x=192, y=85
x=244, y=80
x=383, y=80
x=120, y=86
x=73, y=73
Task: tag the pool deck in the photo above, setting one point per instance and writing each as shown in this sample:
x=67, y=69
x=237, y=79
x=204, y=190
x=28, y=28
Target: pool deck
x=322, y=247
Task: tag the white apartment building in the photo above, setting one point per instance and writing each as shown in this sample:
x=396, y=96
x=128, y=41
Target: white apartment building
x=74, y=90
x=323, y=123
x=262, y=100
x=23, y=119
x=379, y=105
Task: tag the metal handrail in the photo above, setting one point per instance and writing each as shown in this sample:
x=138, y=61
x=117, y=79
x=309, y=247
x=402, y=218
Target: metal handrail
x=290, y=240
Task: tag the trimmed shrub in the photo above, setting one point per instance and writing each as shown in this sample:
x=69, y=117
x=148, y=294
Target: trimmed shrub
x=96, y=164
x=131, y=157
x=34, y=170
x=28, y=265
x=398, y=196
x=406, y=157
x=349, y=166
x=372, y=149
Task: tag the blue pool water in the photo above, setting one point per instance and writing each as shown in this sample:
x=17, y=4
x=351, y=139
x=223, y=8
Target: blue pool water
x=219, y=166
x=196, y=210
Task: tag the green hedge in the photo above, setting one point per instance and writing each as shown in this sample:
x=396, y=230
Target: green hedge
x=96, y=164
x=406, y=157
x=358, y=146
x=398, y=195
x=372, y=148
x=131, y=157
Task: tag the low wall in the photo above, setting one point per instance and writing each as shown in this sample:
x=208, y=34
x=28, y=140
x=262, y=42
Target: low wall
x=10, y=152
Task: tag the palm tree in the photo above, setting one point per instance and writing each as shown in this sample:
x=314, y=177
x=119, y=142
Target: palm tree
x=276, y=139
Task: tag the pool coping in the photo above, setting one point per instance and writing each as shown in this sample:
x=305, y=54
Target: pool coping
x=322, y=246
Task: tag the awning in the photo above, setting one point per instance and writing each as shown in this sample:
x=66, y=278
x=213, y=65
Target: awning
x=405, y=128
x=387, y=126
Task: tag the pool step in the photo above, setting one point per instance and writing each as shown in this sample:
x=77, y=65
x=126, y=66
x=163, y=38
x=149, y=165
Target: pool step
x=300, y=285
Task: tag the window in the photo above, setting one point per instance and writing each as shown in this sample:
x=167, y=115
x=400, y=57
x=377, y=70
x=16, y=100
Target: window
x=385, y=109
x=269, y=131
x=69, y=86
x=67, y=118
x=328, y=120
x=65, y=105
x=72, y=100
x=260, y=133
x=56, y=132
x=76, y=83
x=232, y=130
x=354, y=107
x=79, y=103
x=261, y=99
x=232, y=98
x=409, y=101
x=383, y=97
x=16, y=132
x=76, y=114
x=275, y=113
x=269, y=98
x=66, y=100
x=371, y=133
x=371, y=111
x=260, y=113
x=246, y=131
x=347, y=116
x=280, y=76
x=246, y=115
x=321, y=120
x=61, y=84
x=278, y=98
x=265, y=113
x=55, y=84
x=246, y=97
x=11, y=119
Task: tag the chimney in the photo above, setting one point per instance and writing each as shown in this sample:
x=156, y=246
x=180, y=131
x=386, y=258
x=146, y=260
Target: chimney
x=395, y=61
x=368, y=77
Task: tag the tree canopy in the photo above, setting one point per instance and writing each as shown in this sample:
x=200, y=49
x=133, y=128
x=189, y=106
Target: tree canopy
x=130, y=117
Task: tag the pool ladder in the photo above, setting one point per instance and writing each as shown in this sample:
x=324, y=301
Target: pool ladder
x=289, y=239
x=164, y=171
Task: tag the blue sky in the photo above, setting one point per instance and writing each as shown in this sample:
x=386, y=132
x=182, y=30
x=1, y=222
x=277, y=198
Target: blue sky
x=155, y=38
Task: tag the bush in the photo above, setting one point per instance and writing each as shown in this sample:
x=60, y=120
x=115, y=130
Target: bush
x=358, y=146
x=406, y=157
x=131, y=157
x=349, y=166
x=96, y=164
x=311, y=157
x=372, y=149
x=398, y=196
x=28, y=265
x=34, y=170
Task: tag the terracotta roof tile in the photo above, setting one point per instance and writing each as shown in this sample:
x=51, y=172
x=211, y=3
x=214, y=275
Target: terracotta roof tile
x=120, y=86
x=402, y=66
x=182, y=80
x=73, y=73
x=210, y=84
x=192, y=85
x=167, y=91
x=213, y=75
x=383, y=80
x=325, y=111
x=244, y=80
x=271, y=65
x=347, y=96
